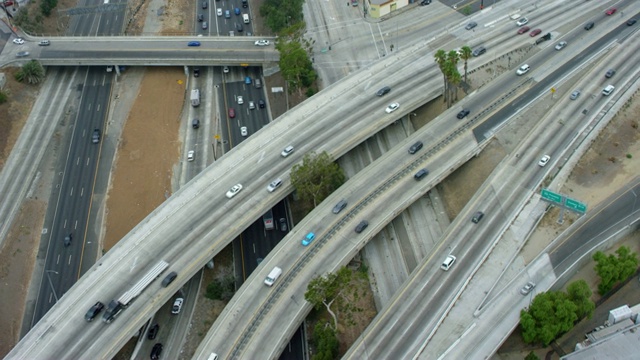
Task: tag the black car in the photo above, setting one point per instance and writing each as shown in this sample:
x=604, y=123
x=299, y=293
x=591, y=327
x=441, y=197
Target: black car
x=415, y=147
x=631, y=22
x=95, y=138
x=261, y=104
x=421, y=174
x=245, y=4
x=425, y=2
x=339, y=206
x=156, y=351
x=463, y=113
x=363, y=225
x=68, y=239
x=610, y=73
x=479, y=51
x=589, y=26
x=169, y=279
x=153, y=332
x=205, y=5
x=196, y=72
x=94, y=311
x=200, y=17
x=477, y=217
x=239, y=27
x=383, y=91
x=195, y=123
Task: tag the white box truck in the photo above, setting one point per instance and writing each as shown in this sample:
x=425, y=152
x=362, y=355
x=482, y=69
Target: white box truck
x=273, y=276
x=195, y=97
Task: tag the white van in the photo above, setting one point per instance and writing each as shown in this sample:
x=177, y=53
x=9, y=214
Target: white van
x=608, y=90
x=245, y=18
x=273, y=276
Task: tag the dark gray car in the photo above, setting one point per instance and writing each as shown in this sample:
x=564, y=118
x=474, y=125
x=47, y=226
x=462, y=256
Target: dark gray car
x=339, y=206
x=415, y=147
x=471, y=25
x=363, y=225
x=169, y=279
x=383, y=91
x=479, y=51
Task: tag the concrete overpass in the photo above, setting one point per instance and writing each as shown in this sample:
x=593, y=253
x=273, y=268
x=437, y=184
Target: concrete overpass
x=145, y=51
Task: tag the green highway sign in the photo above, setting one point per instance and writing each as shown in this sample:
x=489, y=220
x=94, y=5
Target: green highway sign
x=551, y=196
x=575, y=205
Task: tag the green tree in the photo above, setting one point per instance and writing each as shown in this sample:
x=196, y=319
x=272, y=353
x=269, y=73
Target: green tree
x=531, y=356
x=333, y=292
x=550, y=315
x=465, y=55
x=580, y=294
x=280, y=14
x=221, y=289
x=31, y=72
x=325, y=341
x=316, y=178
x=440, y=58
x=612, y=269
x=295, y=65
x=46, y=6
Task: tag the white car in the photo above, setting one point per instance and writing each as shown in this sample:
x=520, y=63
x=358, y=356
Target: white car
x=274, y=185
x=225, y=69
x=252, y=105
x=561, y=45
x=18, y=41
x=219, y=12
x=448, y=262
x=544, y=160
x=177, y=305
x=522, y=21
x=243, y=131
x=523, y=69
x=191, y=155
x=262, y=43
x=240, y=100
x=288, y=150
x=392, y=107
x=234, y=190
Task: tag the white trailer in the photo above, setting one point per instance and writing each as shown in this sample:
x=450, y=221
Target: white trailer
x=116, y=306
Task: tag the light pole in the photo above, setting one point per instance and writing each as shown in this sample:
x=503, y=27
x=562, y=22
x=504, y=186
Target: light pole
x=51, y=283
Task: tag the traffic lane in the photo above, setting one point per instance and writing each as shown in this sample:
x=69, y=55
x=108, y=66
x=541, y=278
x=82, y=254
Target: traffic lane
x=596, y=222
x=322, y=221
x=421, y=298
x=504, y=114
x=312, y=129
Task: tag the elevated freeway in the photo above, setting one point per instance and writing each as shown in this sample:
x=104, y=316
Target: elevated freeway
x=198, y=221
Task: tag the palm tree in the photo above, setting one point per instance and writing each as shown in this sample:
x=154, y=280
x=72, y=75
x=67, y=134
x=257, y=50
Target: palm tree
x=465, y=55
x=441, y=58
x=32, y=72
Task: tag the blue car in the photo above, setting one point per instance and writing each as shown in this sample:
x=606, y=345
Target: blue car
x=237, y=11
x=308, y=239
x=193, y=43
x=247, y=80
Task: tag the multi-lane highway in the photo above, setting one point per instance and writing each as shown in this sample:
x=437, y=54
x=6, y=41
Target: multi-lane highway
x=358, y=123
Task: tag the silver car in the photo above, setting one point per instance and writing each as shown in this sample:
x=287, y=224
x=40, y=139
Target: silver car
x=527, y=288
x=574, y=95
x=561, y=45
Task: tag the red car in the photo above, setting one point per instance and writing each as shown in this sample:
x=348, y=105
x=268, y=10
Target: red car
x=611, y=11
x=232, y=113
x=535, y=32
x=523, y=30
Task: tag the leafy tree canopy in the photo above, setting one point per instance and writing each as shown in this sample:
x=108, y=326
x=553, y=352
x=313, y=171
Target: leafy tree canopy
x=316, y=178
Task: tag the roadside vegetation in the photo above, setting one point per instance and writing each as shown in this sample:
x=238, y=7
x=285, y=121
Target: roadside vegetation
x=553, y=313
x=316, y=178
x=31, y=72
x=339, y=295
x=448, y=64
x=30, y=17
x=613, y=270
x=285, y=19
